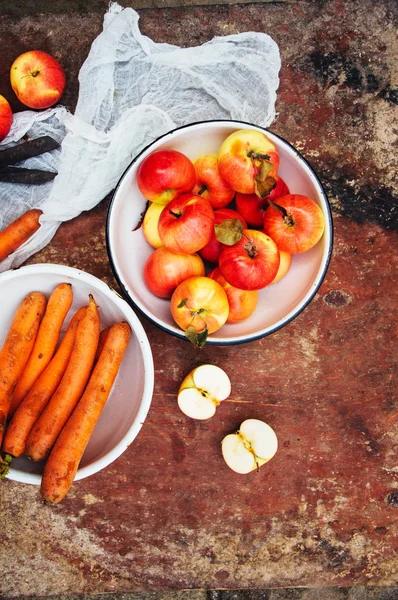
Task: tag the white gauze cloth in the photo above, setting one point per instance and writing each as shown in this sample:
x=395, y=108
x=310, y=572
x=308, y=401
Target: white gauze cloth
x=132, y=90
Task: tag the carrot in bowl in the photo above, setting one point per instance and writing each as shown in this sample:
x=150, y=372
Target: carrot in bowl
x=64, y=459
x=18, y=232
x=40, y=393
x=47, y=338
x=17, y=347
x=51, y=421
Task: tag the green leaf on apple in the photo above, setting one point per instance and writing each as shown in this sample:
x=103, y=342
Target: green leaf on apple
x=197, y=338
x=182, y=303
x=229, y=231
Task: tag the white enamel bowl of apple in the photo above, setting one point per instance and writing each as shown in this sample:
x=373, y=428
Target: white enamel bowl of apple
x=248, y=175
x=130, y=396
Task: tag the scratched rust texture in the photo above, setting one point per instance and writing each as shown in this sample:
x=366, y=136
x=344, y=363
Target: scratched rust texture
x=168, y=514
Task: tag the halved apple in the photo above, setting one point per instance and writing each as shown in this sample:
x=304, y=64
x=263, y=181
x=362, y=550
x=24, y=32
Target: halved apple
x=202, y=390
x=249, y=448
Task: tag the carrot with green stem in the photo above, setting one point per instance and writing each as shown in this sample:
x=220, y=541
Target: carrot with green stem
x=18, y=232
x=64, y=459
x=47, y=338
x=53, y=418
x=40, y=393
x=17, y=347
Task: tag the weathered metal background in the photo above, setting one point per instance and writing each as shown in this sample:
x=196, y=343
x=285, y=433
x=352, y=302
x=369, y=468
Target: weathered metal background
x=169, y=514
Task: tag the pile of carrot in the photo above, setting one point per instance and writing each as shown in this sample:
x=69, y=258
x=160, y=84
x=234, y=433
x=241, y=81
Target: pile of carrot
x=52, y=387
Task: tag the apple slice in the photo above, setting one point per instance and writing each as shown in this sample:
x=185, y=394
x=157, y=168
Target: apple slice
x=249, y=448
x=202, y=390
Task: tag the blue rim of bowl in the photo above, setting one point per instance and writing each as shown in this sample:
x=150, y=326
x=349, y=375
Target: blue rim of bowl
x=210, y=341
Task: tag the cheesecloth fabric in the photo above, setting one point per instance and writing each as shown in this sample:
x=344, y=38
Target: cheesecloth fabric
x=131, y=91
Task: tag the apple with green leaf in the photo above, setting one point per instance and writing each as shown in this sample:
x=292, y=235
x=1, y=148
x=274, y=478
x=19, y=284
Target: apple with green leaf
x=211, y=252
x=199, y=306
x=248, y=161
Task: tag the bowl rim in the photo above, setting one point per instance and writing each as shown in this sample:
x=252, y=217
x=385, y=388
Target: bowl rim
x=282, y=322
x=147, y=357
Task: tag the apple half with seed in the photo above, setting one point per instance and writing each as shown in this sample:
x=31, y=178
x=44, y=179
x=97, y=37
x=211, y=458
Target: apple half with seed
x=249, y=448
x=202, y=390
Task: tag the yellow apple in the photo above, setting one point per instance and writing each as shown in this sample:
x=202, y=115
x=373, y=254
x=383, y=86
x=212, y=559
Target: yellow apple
x=150, y=224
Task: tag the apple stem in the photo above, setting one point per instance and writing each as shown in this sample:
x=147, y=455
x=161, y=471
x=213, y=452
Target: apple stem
x=250, y=247
x=286, y=216
x=202, y=190
x=175, y=214
x=258, y=155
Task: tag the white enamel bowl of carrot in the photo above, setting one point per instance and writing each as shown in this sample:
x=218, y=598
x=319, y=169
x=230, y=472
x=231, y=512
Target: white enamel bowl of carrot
x=130, y=398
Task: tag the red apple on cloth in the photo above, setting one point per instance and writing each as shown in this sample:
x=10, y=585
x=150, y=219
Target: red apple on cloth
x=211, y=252
x=295, y=222
x=37, y=79
x=248, y=161
x=252, y=263
x=242, y=303
x=199, y=305
x=5, y=118
x=165, y=270
x=165, y=174
x=186, y=224
x=209, y=183
x=253, y=207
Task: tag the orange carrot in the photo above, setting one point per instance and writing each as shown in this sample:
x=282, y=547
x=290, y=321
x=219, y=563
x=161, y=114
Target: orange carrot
x=17, y=348
x=64, y=459
x=40, y=393
x=102, y=339
x=47, y=338
x=48, y=426
x=18, y=232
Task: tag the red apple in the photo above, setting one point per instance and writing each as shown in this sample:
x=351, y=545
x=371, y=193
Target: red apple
x=165, y=270
x=5, y=118
x=199, y=305
x=186, y=224
x=295, y=222
x=252, y=263
x=248, y=161
x=209, y=183
x=211, y=252
x=242, y=303
x=37, y=79
x=284, y=265
x=253, y=207
x=164, y=175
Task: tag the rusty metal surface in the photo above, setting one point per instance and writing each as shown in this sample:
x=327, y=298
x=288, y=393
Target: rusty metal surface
x=168, y=514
